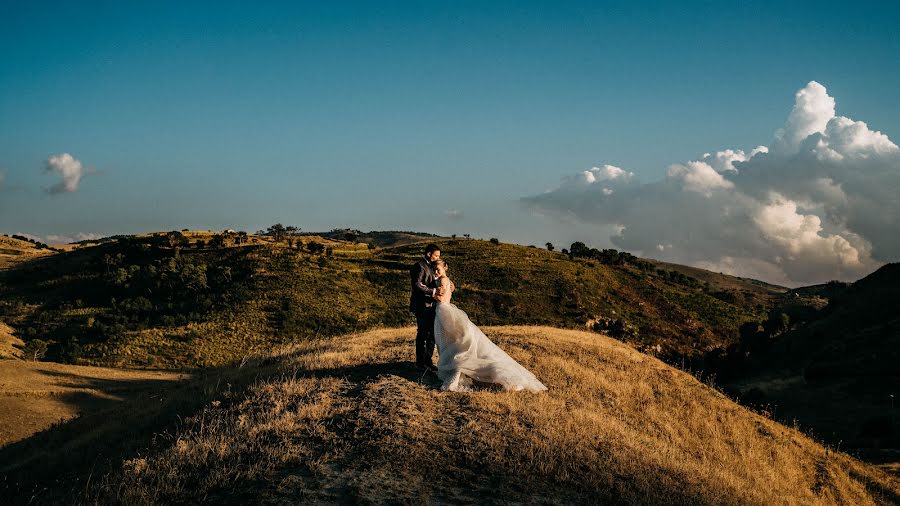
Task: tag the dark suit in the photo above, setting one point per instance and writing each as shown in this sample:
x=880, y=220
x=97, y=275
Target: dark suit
x=421, y=303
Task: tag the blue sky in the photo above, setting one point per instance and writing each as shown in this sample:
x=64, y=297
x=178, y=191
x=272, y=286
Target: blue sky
x=386, y=115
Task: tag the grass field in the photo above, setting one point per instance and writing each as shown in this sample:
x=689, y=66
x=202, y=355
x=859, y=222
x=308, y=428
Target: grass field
x=349, y=420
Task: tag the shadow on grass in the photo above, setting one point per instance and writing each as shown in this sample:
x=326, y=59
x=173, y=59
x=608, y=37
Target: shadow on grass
x=56, y=464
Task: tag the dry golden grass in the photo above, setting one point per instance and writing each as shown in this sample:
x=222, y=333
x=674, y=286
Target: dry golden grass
x=350, y=419
x=36, y=395
x=9, y=343
x=13, y=251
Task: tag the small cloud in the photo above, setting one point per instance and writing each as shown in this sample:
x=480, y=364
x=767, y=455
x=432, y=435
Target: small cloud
x=30, y=236
x=454, y=214
x=66, y=239
x=69, y=169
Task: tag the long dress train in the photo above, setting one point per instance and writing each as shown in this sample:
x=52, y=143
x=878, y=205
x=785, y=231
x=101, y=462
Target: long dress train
x=466, y=354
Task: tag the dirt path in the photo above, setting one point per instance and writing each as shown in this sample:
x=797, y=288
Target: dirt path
x=35, y=395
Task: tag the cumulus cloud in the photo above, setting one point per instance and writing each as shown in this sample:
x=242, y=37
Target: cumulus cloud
x=821, y=202
x=68, y=168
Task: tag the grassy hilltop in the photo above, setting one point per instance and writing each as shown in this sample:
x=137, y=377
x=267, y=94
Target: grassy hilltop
x=339, y=414
x=183, y=300
x=349, y=420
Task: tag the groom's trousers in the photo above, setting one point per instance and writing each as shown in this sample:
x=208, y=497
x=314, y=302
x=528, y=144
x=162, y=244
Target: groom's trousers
x=425, y=335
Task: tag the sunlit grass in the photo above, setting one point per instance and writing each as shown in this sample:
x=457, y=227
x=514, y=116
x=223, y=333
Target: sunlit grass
x=349, y=420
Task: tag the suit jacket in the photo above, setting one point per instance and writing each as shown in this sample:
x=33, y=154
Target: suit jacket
x=421, y=276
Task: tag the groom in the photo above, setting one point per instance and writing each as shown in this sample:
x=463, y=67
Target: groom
x=421, y=303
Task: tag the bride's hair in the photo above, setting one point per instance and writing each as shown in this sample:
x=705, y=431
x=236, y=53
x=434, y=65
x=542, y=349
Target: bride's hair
x=440, y=261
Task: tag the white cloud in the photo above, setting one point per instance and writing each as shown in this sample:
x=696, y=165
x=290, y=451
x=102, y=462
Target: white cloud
x=68, y=168
x=698, y=177
x=822, y=202
x=66, y=239
x=30, y=236
x=723, y=161
x=813, y=108
x=454, y=214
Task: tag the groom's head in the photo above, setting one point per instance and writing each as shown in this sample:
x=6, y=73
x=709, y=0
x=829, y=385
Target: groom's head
x=432, y=252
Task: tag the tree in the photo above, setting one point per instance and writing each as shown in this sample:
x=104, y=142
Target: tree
x=176, y=239
x=217, y=242
x=35, y=350
x=777, y=324
x=579, y=249
x=329, y=251
x=108, y=261
x=315, y=247
x=494, y=240
x=277, y=231
x=550, y=246
x=200, y=244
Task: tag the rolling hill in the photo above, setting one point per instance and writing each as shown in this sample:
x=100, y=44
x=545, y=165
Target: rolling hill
x=14, y=250
x=171, y=300
x=840, y=373
x=350, y=420
x=199, y=299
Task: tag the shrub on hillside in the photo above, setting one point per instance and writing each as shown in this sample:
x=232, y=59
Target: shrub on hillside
x=615, y=327
x=608, y=256
x=34, y=350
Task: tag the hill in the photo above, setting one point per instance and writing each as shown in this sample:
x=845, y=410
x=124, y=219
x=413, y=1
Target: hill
x=349, y=419
x=379, y=238
x=10, y=345
x=839, y=373
x=18, y=249
x=185, y=299
x=36, y=395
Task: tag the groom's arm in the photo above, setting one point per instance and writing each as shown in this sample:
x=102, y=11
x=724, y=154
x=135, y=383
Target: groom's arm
x=417, y=275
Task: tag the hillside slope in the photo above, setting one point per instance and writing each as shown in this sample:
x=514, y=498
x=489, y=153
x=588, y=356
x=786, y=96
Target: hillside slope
x=839, y=374
x=349, y=420
x=14, y=250
x=142, y=302
x=36, y=395
x=10, y=345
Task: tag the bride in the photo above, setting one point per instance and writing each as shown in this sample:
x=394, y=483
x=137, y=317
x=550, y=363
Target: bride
x=466, y=354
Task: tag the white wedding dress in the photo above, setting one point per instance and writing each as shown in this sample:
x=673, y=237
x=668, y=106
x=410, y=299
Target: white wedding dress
x=466, y=354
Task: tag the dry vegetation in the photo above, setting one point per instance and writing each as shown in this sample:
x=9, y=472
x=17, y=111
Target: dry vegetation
x=14, y=251
x=10, y=345
x=35, y=395
x=350, y=420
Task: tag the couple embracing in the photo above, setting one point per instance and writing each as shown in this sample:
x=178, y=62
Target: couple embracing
x=465, y=354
